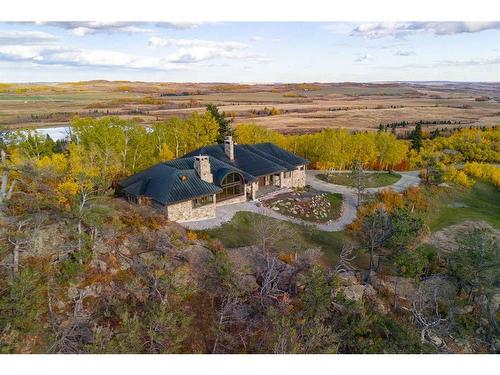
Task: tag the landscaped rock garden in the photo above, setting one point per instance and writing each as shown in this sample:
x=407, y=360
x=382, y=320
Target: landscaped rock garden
x=314, y=206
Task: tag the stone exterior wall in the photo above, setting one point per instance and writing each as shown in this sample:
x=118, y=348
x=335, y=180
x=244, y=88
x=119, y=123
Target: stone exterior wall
x=184, y=211
x=299, y=178
x=288, y=181
x=296, y=180
x=253, y=189
x=238, y=199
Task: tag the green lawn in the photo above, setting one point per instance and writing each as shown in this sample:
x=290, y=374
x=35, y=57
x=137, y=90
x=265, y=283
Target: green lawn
x=238, y=232
x=371, y=180
x=453, y=206
x=449, y=206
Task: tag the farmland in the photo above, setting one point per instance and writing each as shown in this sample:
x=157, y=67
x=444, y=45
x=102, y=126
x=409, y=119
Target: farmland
x=287, y=108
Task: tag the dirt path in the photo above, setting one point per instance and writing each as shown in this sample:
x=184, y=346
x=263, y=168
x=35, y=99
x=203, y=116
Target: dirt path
x=348, y=215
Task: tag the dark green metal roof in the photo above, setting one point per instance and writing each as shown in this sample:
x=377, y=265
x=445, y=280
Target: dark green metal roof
x=245, y=159
x=187, y=162
x=164, y=182
x=166, y=185
x=277, y=154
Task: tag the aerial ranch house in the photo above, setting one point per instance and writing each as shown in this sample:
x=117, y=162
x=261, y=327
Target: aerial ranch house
x=191, y=187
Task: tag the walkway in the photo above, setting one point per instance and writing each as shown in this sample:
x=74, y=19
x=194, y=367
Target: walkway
x=348, y=215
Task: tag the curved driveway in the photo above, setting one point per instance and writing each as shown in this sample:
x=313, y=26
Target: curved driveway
x=349, y=208
x=226, y=213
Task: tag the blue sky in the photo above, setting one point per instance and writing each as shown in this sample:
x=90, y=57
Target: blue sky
x=250, y=51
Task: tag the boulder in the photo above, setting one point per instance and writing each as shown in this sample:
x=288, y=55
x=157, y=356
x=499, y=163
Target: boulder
x=72, y=292
x=47, y=240
x=348, y=278
x=465, y=310
x=356, y=292
x=405, y=287
x=436, y=340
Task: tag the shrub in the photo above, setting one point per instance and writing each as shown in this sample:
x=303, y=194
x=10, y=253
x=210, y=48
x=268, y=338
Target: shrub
x=451, y=174
x=487, y=172
x=192, y=236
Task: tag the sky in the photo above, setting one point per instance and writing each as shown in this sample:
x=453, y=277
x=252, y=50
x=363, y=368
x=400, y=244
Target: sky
x=249, y=52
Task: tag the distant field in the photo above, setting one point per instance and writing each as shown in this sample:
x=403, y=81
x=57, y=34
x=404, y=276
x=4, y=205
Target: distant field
x=296, y=107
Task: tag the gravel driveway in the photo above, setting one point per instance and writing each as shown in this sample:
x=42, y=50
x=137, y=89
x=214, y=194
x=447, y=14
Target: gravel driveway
x=348, y=215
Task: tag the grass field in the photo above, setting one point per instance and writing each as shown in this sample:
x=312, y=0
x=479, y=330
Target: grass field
x=302, y=108
x=371, y=180
x=239, y=232
x=454, y=206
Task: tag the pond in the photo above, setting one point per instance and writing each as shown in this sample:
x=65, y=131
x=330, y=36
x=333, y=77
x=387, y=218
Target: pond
x=56, y=133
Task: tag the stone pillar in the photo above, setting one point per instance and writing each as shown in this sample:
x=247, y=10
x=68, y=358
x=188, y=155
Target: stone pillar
x=282, y=177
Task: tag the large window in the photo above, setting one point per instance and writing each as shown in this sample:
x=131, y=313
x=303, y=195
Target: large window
x=203, y=201
x=232, y=186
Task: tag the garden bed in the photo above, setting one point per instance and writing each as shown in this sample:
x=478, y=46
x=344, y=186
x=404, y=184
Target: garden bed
x=313, y=206
x=370, y=180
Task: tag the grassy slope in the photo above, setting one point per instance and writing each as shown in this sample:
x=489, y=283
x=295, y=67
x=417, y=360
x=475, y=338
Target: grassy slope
x=482, y=201
x=238, y=232
x=372, y=179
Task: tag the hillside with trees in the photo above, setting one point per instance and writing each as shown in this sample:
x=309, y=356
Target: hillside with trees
x=83, y=271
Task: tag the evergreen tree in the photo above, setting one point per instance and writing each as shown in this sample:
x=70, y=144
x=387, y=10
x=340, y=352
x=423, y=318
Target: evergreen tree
x=416, y=138
x=225, y=128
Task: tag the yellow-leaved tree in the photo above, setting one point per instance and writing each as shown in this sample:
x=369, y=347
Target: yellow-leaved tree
x=390, y=150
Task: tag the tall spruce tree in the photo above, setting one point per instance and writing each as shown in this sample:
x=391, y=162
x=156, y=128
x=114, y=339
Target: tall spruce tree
x=225, y=128
x=416, y=138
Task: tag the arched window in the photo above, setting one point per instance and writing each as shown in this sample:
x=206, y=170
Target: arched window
x=232, y=186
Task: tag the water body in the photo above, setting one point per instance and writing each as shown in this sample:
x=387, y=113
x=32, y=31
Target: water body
x=57, y=133
x=63, y=132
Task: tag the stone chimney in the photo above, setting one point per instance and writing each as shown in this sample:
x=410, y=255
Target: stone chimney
x=229, y=147
x=202, y=167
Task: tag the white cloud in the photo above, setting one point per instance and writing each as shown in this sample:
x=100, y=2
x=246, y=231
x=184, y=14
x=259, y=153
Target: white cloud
x=185, y=51
x=338, y=27
x=25, y=37
x=165, y=42
x=263, y=39
x=80, y=28
x=58, y=55
x=196, y=50
x=364, y=58
x=471, y=62
x=177, y=25
x=402, y=29
x=404, y=53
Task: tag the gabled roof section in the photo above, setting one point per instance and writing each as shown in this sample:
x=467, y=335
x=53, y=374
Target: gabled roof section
x=244, y=159
x=216, y=165
x=165, y=184
x=177, y=181
x=278, y=154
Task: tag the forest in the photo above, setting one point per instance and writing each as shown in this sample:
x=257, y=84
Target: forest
x=83, y=271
